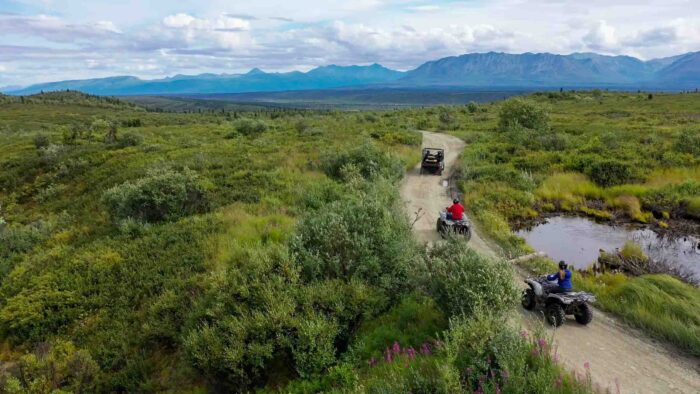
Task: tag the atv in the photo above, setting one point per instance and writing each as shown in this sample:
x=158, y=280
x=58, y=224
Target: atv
x=433, y=161
x=447, y=226
x=557, y=305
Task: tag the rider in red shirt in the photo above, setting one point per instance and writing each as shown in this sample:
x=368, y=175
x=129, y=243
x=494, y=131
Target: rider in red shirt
x=456, y=211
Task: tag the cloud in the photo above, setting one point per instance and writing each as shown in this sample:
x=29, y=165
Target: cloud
x=55, y=29
x=601, y=37
x=242, y=16
x=424, y=8
x=224, y=22
x=163, y=38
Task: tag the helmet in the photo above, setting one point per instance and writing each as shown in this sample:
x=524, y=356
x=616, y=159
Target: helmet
x=455, y=201
x=562, y=265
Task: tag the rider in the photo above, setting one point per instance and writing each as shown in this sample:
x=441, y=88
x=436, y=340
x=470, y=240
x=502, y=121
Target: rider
x=456, y=211
x=563, y=278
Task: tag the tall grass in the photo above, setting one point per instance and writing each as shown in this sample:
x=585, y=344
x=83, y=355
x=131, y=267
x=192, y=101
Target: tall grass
x=660, y=304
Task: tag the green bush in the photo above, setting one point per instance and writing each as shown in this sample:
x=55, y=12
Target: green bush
x=363, y=236
x=129, y=139
x=250, y=127
x=240, y=319
x=367, y=160
x=41, y=141
x=688, y=142
x=54, y=367
x=464, y=282
x=603, y=171
x=472, y=107
x=518, y=113
x=609, y=172
x=163, y=194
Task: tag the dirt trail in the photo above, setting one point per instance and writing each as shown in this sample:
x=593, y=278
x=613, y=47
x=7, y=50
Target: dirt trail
x=619, y=356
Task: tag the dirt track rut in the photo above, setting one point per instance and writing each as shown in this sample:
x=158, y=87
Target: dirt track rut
x=619, y=356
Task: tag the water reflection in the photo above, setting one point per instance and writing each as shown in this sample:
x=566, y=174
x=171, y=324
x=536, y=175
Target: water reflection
x=579, y=240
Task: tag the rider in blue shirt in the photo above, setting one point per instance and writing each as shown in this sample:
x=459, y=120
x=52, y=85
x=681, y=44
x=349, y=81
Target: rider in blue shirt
x=563, y=278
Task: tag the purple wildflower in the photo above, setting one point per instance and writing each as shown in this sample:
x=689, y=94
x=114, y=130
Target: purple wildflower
x=587, y=365
x=372, y=362
x=425, y=349
x=523, y=334
x=542, y=343
x=396, y=348
x=387, y=355
x=411, y=353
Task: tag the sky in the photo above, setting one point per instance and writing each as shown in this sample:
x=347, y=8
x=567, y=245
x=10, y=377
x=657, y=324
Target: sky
x=49, y=40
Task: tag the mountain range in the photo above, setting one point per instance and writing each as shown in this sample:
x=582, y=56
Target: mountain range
x=478, y=70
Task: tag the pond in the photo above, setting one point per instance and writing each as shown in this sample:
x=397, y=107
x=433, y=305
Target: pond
x=578, y=241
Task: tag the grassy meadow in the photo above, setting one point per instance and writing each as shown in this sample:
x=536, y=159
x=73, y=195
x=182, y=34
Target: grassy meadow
x=238, y=251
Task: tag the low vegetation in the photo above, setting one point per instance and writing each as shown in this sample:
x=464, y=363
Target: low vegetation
x=615, y=157
x=209, y=253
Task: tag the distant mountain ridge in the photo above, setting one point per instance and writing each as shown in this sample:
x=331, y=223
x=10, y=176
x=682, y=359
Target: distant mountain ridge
x=494, y=69
x=549, y=70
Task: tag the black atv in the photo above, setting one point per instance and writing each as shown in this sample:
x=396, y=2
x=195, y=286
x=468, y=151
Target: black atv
x=557, y=305
x=433, y=161
x=447, y=226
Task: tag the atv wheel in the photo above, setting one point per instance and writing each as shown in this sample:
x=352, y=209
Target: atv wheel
x=438, y=227
x=583, y=314
x=555, y=314
x=466, y=232
x=528, y=299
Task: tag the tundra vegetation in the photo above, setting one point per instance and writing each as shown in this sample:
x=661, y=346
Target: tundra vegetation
x=613, y=157
x=239, y=251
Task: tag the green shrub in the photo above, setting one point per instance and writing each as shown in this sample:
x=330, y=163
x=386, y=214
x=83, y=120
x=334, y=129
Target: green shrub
x=521, y=113
x=603, y=171
x=472, y=107
x=367, y=160
x=163, y=194
x=56, y=367
x=464, y=282
x=250, y=127
x=41, y=141
x=688, y=142
x=609, y=172
x=363, y=236
x=239, y=321
x=129, y=139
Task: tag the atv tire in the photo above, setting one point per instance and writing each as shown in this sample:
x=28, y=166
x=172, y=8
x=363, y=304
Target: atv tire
x=583, y=314
x=554, y=314
x=467, y=233
x=528, y=299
